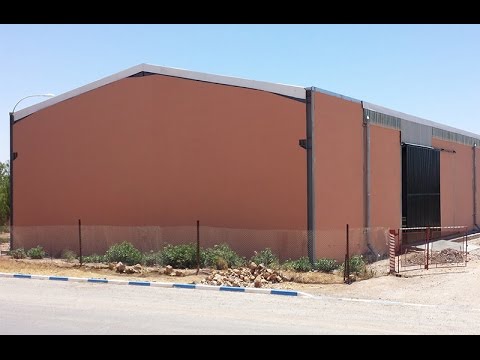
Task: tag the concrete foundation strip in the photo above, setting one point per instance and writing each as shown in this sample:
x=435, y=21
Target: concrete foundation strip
x=158, y=284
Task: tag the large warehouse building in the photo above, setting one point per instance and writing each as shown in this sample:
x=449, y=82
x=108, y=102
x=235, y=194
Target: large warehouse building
x=144, y=153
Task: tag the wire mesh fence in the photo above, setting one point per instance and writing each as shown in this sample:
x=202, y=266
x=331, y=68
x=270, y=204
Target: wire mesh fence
x=371, y=243
x=97, y=239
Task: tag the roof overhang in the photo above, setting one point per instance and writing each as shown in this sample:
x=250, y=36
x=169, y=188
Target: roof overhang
x=417, y=120
x=297, y=92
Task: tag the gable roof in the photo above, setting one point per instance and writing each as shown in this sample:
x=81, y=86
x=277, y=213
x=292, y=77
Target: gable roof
x=297, y=92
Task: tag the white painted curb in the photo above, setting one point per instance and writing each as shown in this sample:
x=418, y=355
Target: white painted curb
x=158, y=284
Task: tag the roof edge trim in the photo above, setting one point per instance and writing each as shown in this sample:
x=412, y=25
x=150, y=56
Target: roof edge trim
x=417, y=119
x=331, y=93
x=297, y=92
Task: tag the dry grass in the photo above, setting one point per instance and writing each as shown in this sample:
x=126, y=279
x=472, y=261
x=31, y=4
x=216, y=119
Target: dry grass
x=313, y=277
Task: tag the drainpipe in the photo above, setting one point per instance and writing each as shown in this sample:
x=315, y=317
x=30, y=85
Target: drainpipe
x=475, y=186
x=366, y=177
x=12, y=120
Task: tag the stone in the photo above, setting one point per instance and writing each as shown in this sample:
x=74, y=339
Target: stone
x=138, y=267
x=120, y=267
x=258, y=281
x=129, y=270
x=168, y=270
x=252, y=266
x=179, y=273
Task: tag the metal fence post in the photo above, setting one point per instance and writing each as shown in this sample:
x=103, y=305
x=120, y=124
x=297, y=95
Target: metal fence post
x=198, y=246
x=427, y=245
x=346, y=270
x=80, y=240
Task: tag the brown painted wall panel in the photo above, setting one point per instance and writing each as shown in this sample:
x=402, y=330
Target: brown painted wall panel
x=164, y=151
x=386, y=186
x=456, y=188
x=338, y=147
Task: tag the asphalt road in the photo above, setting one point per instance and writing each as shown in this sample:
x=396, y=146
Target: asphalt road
x=48, y=307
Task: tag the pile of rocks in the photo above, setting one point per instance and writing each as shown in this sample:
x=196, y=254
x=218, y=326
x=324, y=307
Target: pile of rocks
x=253, y=276
x=169, y=270
x=122, y=268
x=447, y=256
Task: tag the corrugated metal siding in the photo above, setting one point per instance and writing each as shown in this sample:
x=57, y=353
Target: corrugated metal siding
x=416, y=133
x=458, y=138
x=421, y=186
x=377, y=118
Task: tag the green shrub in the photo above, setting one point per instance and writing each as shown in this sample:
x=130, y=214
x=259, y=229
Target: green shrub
x=265, y=257
x=325, y=265
x=18, y=253
x=224, y=252
x=124, y=252
x=180, y=256
x=152, y=258
x=36, y=253
x=221, y=263
x=94, y=258
x=68, y=255
x=301, y=265
x=357, y=265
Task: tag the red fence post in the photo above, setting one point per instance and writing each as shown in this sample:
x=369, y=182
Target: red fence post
x=391, y=250
x=427, y=245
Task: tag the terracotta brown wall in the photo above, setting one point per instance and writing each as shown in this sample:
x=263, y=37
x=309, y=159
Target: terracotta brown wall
x=165, y=151
x=338, y=147
x=456, y=188
x=386, y=185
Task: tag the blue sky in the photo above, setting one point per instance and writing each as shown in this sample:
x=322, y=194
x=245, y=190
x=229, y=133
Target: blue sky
x=431, y=71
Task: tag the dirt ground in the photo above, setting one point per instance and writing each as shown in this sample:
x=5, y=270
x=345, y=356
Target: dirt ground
x=445, y=285
x=451, y=286
x=64, y=268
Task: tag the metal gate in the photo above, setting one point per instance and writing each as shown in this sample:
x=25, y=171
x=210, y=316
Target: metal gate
x=420, y=186
x=426, y=247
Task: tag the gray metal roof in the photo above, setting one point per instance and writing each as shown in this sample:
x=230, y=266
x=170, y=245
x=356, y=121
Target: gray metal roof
x=418, y=120
x=293, y=91
x=287, y=90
